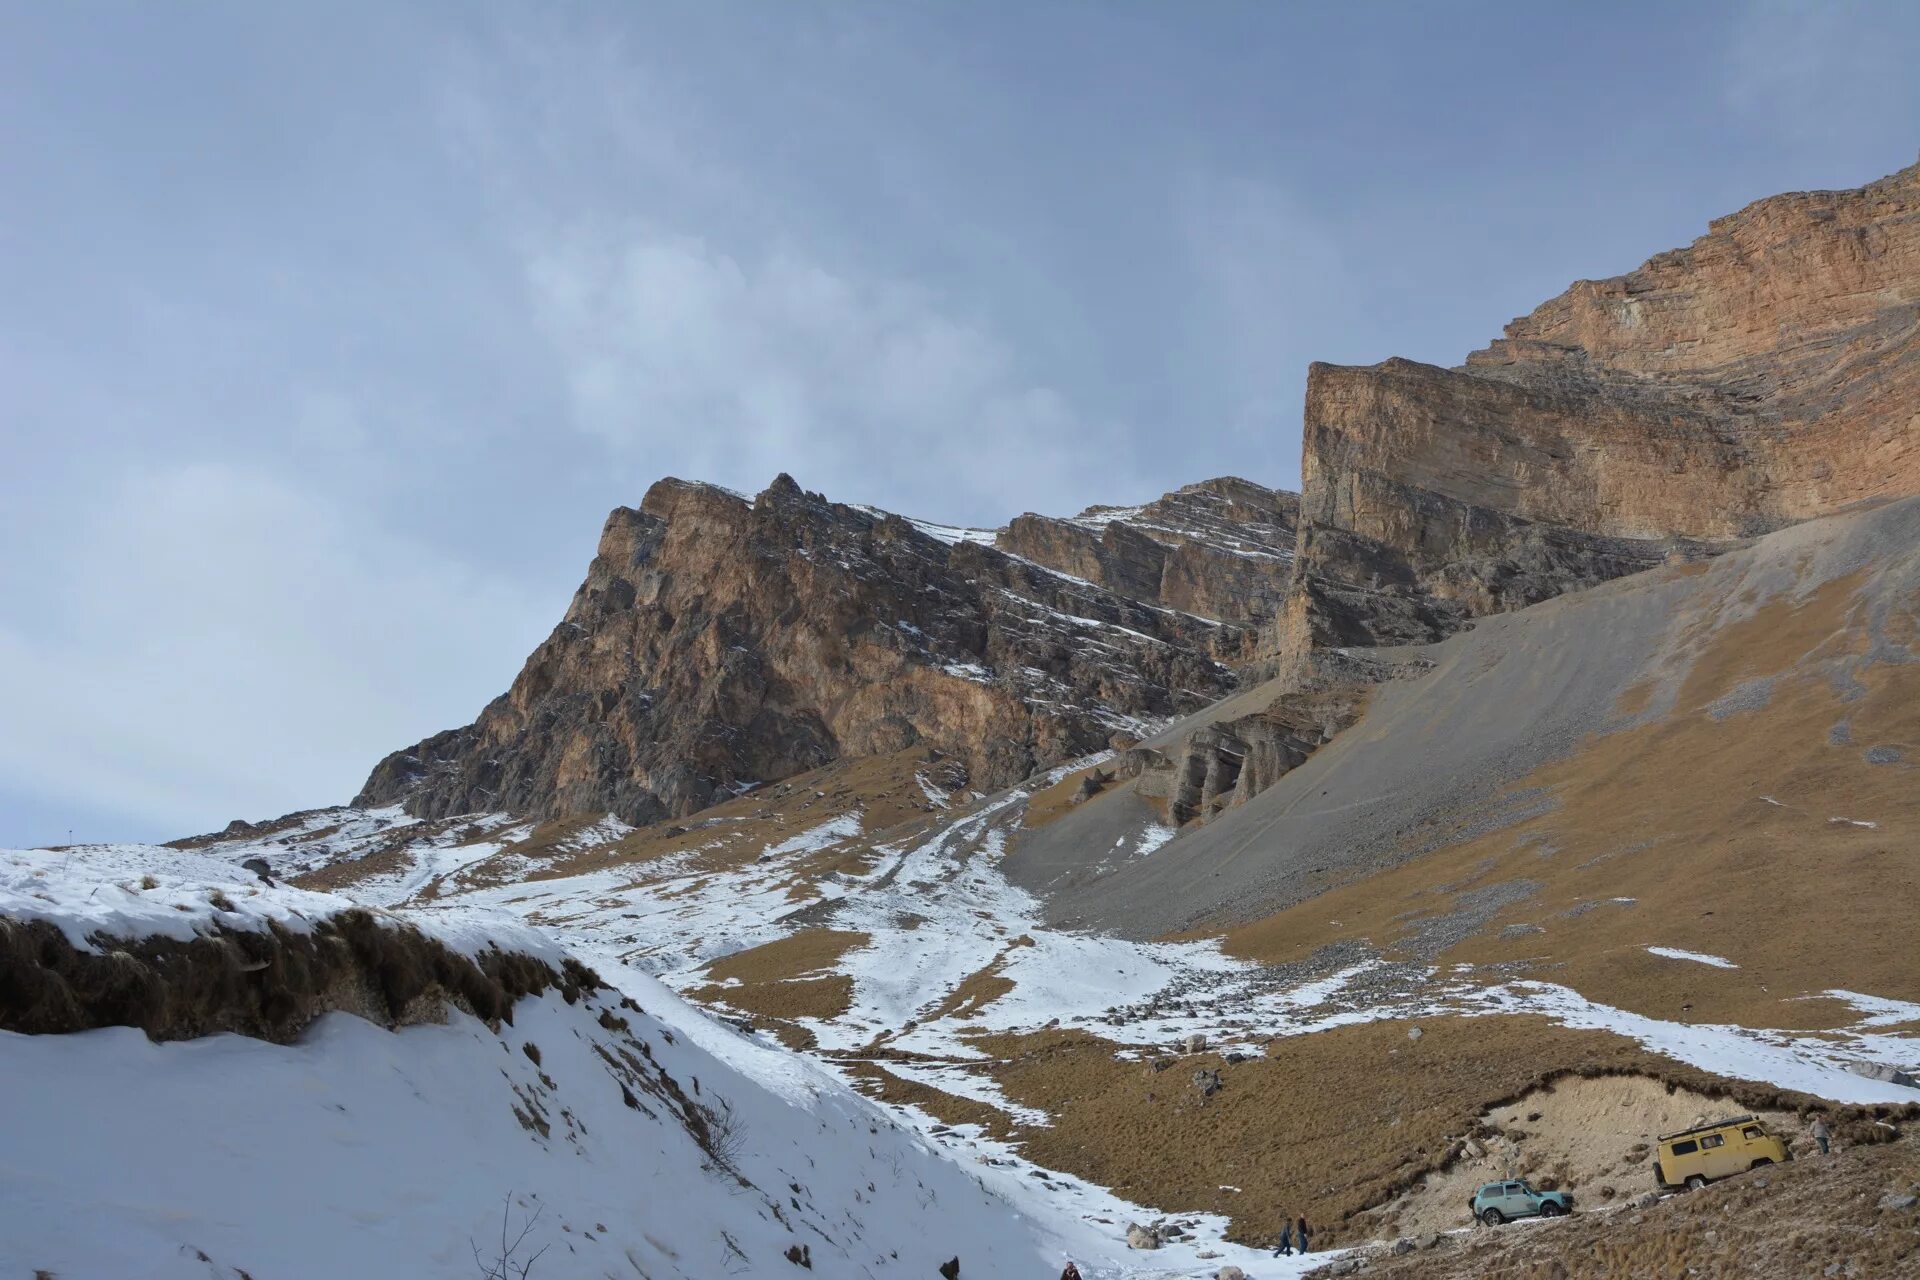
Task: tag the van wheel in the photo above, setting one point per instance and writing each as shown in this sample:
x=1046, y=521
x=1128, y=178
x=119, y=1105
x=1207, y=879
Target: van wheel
x=1493, y=1217
x=1695, y=1182
x=1761, y=1163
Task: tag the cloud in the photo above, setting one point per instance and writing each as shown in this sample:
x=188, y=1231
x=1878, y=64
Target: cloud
x=739, y=366
x=208, y=641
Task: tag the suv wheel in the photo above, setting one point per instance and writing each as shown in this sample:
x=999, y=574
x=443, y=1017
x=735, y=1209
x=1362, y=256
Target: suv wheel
x=1551, y=1209
x=1492, y=1217
x=1695, y=1182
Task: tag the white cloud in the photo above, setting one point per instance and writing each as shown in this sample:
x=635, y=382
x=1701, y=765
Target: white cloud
x=738, y=367
x=210, y=641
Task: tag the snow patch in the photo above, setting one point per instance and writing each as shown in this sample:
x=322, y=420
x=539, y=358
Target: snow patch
x=1675, y=953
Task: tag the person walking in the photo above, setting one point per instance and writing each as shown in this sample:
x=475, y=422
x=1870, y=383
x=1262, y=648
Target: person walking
x=1821, y=1134
x=1300, y=1234
x=1285, y=1247
x=1071, y=1273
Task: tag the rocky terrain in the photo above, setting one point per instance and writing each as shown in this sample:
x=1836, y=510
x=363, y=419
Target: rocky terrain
x=1540, y=779
x=1766, y=374
x=721, y=642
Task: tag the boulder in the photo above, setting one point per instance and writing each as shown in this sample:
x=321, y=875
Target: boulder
x=1882, y=1072
x=1229, y=1273
x=1894, y=1201
x=1138, y=1237
x=1195, y=1043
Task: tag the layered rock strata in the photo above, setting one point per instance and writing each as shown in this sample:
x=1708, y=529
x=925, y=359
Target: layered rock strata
x=719, y=642
x=1767, y=374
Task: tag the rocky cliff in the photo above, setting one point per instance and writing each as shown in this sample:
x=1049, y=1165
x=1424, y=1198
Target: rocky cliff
x=719, y=642
x=1766, y=374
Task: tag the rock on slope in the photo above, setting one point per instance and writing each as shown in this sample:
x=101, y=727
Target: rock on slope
x=720, y=642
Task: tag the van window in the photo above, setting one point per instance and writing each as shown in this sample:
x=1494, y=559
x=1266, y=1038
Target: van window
x=1713, y=1140
x=1686, y=1148
x=1753, y=1131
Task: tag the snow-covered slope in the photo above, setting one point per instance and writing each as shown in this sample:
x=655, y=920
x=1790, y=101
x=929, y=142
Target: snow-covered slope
x=624, y=1134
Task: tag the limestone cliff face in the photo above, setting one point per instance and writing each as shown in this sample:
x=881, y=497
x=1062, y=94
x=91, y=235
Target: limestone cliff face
x=1768, y=373
x=720, y=641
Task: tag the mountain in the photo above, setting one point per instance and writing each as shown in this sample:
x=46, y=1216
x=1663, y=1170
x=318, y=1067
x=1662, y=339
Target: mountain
x=1767, y=374
x=1540, y=780
x=720, y=643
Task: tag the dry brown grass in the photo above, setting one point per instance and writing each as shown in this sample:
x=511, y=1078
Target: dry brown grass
x=269, y=985
x=797, y=956
x=787, y=978
x=1326, y=1125
x=1051, y=803
x=1671, y=815
x=802, y=998
x=876, y=1081
x=732, y=835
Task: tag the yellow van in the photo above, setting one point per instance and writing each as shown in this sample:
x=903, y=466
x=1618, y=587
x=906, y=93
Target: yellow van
x=1694, y=1157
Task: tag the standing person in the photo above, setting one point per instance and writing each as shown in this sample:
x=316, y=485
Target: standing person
x=1821, y=1134
x=1071, y=1273
x=1300, y=1232
x=1285, y=1247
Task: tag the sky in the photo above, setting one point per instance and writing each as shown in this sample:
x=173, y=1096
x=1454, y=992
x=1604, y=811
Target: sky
x=329, y=334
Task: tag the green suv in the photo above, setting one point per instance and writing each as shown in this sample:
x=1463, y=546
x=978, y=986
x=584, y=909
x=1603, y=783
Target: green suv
x=1496, y=1202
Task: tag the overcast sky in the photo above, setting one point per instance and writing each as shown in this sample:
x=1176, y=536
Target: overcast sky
x=330, y=333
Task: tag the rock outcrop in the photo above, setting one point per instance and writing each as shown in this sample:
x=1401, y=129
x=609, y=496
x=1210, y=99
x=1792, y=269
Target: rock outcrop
x=719, y=642
x=1219, y=549
x=1767, y=374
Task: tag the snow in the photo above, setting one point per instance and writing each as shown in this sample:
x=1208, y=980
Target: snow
x=405, y=1166
x=936, y=796
x=127, y=892
x=1817, y=1066
x=360, y=1151
x=373, y=1153
x=1675, y=953
x=950, y=534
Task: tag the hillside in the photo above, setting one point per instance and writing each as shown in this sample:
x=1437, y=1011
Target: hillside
x=605, y=1131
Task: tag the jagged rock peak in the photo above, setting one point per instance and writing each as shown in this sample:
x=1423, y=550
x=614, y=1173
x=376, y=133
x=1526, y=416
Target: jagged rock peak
x=719, y=642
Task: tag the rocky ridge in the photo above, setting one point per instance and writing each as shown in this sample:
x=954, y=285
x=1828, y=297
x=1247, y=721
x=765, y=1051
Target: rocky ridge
x=721, y=642
x=1767, y=374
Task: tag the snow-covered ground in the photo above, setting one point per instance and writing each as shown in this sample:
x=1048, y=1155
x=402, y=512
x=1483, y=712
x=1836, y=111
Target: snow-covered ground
x=365, y=1152
x=381, y=1141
